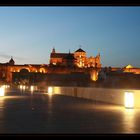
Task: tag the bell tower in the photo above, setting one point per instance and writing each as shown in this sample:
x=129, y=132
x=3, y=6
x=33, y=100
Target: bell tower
x=53, y=50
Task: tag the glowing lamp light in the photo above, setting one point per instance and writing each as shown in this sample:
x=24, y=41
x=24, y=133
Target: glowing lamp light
x=4, y=86
x=129, y=100
x=2, y=91
x=23, y=87
x=50, y=90
x=20, y=87
x=32, y=88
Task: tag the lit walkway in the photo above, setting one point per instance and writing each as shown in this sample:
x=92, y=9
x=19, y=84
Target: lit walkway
x=62, y=114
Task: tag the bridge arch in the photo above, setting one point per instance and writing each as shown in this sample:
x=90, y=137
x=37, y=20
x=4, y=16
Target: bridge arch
x=42, y=70
x=24, y=70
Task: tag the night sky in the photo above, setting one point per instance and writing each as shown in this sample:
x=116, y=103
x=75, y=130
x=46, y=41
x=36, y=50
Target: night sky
x=28, y=34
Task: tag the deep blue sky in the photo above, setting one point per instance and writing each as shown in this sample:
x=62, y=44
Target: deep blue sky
x=29, y=33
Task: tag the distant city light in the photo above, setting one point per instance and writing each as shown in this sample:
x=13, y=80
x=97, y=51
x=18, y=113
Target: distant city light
x=54, y=63
x=129, y=100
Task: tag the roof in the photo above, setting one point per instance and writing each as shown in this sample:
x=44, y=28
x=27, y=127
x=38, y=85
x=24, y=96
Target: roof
x=79, y=50
x=59, y=55
x=69, y=56
x=11, y=60
x=3, y=64
x=129, y=66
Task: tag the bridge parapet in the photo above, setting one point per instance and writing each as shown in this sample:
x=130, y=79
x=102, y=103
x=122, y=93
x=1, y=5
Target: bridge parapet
x=114, y=96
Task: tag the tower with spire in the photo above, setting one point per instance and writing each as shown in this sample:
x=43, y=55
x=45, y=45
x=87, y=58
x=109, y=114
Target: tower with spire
x=53, y=50
x=11, y=61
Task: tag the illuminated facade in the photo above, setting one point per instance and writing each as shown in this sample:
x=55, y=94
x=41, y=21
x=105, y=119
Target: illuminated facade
x=127, y=69
x=60, y=63
x=9, y=68
x=78, y=58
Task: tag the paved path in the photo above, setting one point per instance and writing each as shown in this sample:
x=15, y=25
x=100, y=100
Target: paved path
x=43, y=114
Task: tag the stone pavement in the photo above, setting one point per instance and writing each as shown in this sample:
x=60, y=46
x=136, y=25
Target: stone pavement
x=58, y=114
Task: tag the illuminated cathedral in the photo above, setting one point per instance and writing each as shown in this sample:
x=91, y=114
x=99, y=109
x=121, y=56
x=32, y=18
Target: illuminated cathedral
x=78, y=58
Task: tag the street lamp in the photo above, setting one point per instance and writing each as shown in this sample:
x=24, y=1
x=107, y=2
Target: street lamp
x=129, y=99
x=2, y=91
x=50, y=90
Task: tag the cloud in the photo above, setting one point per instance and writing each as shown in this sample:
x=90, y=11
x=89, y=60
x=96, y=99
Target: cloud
x=7, y=56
